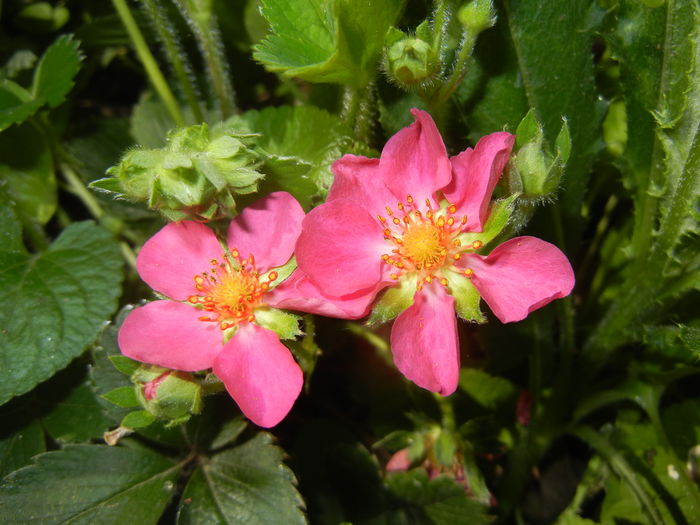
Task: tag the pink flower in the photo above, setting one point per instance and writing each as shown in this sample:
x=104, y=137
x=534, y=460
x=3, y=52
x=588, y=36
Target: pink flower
x=412, y=219
x=218, y=301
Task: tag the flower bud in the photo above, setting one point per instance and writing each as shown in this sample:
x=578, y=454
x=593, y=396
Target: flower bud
x=410, y=61
x=195, y=176
x=533, y=169
x=477, y=15
x=167, y=394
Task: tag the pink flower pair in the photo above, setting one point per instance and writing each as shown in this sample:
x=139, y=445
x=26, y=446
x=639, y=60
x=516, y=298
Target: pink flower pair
x=411, y=218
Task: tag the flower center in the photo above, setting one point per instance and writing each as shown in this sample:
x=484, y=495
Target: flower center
x=231, y=290
x=424, y=242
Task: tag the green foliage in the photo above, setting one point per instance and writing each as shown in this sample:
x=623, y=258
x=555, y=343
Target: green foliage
x=243, y=484
x=440, y=500
x=60, y=299
x=326, y=41
x=27, y=169
x=107, y=484
x=53, y=79
x=299, y=144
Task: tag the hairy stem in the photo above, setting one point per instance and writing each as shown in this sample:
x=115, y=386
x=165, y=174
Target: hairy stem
x=149, y=63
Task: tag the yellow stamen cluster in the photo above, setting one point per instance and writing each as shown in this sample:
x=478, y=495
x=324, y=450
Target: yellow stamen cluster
x=230, y=290
x=424, y=242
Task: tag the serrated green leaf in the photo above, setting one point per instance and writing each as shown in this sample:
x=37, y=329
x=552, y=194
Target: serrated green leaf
x=53, y=77
x=27, y=167
x=326, y=40
x=487, y=390
x=125, y=365
x=138, y=419
x=123, y=396
x=308, y=134
x=60, y=298
x=105, y=485
x=247, y=484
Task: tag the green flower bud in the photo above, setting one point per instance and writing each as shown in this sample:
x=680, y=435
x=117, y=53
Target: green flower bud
x=477, y=15
x=167, y=394
x=195, y=176
x=410, y=61
x=533, y=170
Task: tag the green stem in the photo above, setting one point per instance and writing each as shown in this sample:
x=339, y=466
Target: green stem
x=441, y=19
x=619, y=465
x=175, y=54
x=77, y=187
x=458, y=71
x=358, y=110
x=203, y=24
x=149, y=63
x=447, y=412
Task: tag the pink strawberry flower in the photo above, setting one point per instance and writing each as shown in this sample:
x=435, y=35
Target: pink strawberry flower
x=413, y=220
x=219, y=298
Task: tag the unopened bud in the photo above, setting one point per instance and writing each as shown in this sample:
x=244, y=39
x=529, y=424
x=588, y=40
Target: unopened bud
x=195, y=176
x=410, y=60
x=533, y=168
x=167, y=394
x=477, y=15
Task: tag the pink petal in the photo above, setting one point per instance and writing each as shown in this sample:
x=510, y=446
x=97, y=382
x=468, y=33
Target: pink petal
x=414, y=161
x=520, y=276
x=171, y=258
x=424, y=341
x=260, y=374
x=170, y=334
x=298, y=293
x=359, y=179
x=340, y=248
x=267, y=229
x=399, y=462
x=475, y=174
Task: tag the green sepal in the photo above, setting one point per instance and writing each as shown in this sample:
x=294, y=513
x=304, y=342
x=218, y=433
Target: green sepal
x=499, y=215
x=284, y=324
x=533, y=167
x=124, y=396
x=445, y=448
x=283, y=272
x=125, y=365
x=138, y=419
x=466, y=297
x=393, y=301
x=528, y=130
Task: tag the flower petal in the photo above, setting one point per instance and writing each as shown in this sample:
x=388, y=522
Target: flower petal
x=170, y=334
x=260, y=374
x=267, y=229
x=521, y=275
x=414, y=161
x=298, y=293
x=340, y=248
x=171, y=258
x=424, y=341
x=475, y=174
x=359, y=179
